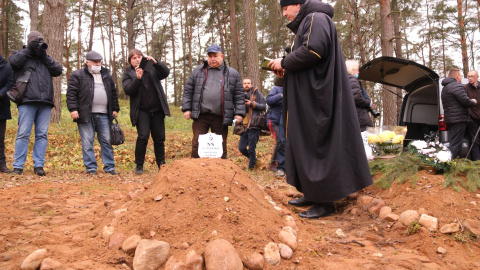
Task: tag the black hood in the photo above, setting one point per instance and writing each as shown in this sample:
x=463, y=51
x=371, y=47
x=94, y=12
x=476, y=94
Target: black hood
x=310, y=6
x=448, y=80
x=3, y=62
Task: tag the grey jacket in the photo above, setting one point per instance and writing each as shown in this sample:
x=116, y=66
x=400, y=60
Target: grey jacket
x=232, y=98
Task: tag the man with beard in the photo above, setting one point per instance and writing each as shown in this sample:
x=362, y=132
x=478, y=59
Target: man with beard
x=325, y=158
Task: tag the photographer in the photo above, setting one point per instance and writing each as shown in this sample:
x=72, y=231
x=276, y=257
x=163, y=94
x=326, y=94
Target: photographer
x=363, y=104
x=37, y=102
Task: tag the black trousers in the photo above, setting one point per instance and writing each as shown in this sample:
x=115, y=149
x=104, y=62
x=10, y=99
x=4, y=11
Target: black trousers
x=457, y=132
x=472, y=129
x=3, y=129
x=154, y=123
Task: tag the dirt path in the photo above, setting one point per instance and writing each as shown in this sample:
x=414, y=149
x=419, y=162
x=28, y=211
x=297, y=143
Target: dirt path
x=65, y=213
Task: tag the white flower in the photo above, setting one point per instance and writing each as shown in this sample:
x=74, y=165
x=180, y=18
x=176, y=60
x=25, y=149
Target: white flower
x=419, y=144
x=444, y=156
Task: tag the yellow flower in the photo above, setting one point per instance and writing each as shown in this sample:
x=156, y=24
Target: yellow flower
x=398, y=139
x=372, y=138
x=383, y=137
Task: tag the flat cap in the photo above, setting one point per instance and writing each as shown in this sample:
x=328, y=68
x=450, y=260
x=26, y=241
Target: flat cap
x=94, y=56
x=214, y=48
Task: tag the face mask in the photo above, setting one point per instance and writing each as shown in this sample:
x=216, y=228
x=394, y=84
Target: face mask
x=95, y=69
x=356, y=76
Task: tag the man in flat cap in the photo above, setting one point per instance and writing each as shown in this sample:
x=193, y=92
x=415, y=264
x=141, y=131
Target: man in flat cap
x=213, y=97
x=93, y=103
x=324, y=154
x=37, y=102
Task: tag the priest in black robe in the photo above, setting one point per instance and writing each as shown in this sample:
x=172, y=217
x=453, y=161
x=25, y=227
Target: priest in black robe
x=325, y=158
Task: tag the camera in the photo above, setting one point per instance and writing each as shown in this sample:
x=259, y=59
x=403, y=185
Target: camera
x=43, y=45
x=374, y=113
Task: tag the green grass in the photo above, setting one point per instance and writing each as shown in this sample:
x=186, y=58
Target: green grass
x=64, y=151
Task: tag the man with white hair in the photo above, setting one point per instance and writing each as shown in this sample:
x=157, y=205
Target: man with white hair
x=473, y=125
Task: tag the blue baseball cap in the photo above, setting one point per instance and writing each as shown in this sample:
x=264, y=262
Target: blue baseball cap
x=214, y=48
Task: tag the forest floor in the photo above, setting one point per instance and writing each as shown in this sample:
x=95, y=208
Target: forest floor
x=65, y=212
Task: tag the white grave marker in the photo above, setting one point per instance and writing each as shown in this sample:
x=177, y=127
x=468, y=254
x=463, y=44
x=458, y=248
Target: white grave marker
x=210, y=145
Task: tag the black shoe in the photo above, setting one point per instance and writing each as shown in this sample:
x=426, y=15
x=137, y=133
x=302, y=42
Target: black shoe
x=318, y=211
x=139, y=169
x=300, y=202
x=91, y=173
x=113, y=172
x=162, y=163
x=4, y=169
x=39, y=171
x=17, y=171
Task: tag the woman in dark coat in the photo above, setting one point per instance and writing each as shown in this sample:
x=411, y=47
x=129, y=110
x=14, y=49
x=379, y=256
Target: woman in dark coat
x=6, y=82
x=148, y=105
x=362, y=104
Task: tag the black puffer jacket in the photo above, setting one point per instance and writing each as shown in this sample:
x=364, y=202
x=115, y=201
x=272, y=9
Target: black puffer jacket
x=132, y=85
x=40, y=86
x=455, y=102
x=233, y=95
x=80, y=93
x=362, y=104
x=6, y=82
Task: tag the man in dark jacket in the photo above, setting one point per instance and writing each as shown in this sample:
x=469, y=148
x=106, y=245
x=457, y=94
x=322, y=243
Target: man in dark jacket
x=6, y=82
x=274, y=101
x=473, y=92
x=255, y=104
x=325, y=158
x=37, y=102
x=213, y=96
x=93, y=103
x=455, y=105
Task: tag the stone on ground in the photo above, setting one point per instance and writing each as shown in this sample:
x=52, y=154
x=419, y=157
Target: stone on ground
x=429, y=222
x=285, y=251
x=386, y=210
x=409, y=216
x=194, y=260
x=472, y=226
x=150, y=254
x=288, y=236
x=221, y=255
x=130, y=244
x=272, y=254
x=33, y=261
x=116, y=239
x=450, y=228
x=254, y=262
x=375, y=205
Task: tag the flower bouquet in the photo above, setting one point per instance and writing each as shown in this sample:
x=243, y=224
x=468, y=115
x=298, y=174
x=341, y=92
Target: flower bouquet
x=432, y=154
x=386, y=139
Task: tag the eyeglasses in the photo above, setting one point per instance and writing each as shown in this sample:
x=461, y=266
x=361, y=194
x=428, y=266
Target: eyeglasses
x=472, y=76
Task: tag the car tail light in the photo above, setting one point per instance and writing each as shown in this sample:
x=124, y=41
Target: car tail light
x=441, y=123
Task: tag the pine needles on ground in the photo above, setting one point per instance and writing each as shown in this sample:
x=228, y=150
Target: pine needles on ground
x=400, y=169
x=463, y=167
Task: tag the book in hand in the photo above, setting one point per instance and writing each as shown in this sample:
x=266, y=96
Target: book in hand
x=265, y=64
x=146, y=64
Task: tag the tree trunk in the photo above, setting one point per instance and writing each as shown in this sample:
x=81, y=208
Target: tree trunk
x=33, y=7
x=251, y=46
x=130, y=30
x=359, y=35
x=389, y=101
x=92, y=26
x=79, y=47
x=3, y=40
x=398, y=46
x=144, y=20
x=122, y=43
x=234, y=38
x=172, y=34
x=112, y=47
x=101, y=31
x=463, y=40
x=53, y=27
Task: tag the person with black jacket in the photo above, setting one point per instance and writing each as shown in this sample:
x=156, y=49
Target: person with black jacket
x=473, y=91
x=148, y=105
x=93, y=103
x=455, y=105
x=6, y=82
x=274, y=101
x=37, y=102
x=213, y=96
x=362, y=103
x=255, y=104
x=324, y=155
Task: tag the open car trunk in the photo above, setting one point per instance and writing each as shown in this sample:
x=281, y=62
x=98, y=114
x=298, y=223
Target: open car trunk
x=420, y=107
